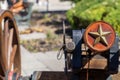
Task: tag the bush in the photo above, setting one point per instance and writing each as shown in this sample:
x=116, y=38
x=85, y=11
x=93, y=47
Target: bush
x=107, y=10
x=75, y=1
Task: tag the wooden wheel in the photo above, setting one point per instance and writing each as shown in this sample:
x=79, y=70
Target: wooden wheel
x=10, y=58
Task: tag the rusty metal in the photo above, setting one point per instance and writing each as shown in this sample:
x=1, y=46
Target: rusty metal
x=36, y=75
x=70, y=46
x=10, y=58
x=11, y=75
x=99, y=36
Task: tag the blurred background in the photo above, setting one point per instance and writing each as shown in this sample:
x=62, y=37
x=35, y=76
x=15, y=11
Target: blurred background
x=40, y=24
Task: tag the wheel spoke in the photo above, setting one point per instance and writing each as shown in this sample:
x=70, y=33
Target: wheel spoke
x=10, y=44
x=12, y=56
x=10, y=40
x=5, y=49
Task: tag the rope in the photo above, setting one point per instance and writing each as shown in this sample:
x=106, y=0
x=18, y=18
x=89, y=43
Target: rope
x=87, y=56
x=59, y=54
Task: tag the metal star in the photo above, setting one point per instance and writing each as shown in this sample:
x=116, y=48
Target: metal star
x=100, y=36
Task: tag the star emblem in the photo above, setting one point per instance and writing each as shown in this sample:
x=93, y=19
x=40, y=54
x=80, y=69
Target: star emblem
x=100, y=36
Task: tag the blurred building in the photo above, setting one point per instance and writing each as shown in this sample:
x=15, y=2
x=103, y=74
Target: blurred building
x=3, y=4
x=50, y=5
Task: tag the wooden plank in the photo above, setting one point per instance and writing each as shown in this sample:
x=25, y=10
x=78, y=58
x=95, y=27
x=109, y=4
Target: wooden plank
x=97, y=64
x=59, y=75
x=54, y=75
x=116, y=76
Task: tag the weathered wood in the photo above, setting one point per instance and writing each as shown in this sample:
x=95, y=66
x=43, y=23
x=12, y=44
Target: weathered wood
x=96, y=64
x=46, y=75
x=5, y=45
x=10, y=58
x=56, y=75
x=10, y=39
x=116, y=76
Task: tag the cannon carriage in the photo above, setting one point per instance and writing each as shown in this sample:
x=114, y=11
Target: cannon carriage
x=92, y=52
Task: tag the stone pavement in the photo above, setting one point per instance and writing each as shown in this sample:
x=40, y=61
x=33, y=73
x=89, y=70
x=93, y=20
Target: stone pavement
x=40, y=62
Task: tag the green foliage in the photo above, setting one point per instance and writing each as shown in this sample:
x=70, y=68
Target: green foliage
x=75, y=1
x=87, y=11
